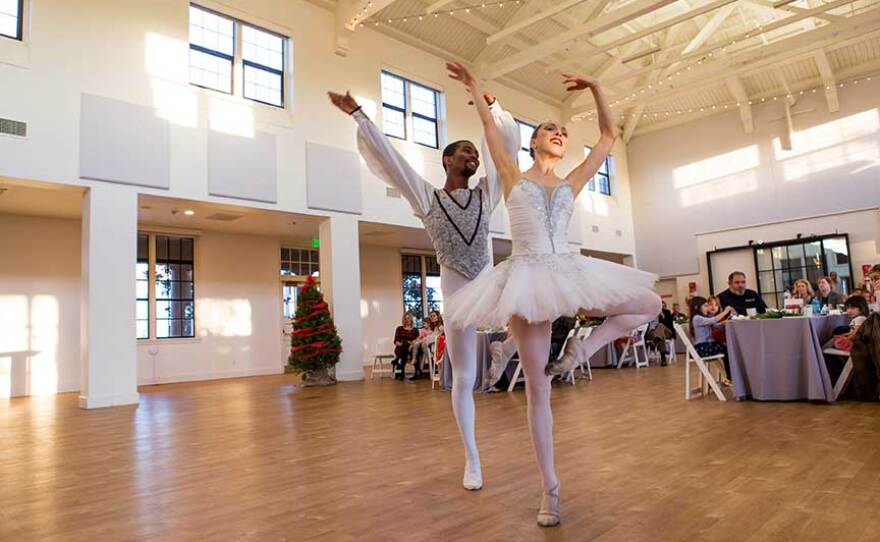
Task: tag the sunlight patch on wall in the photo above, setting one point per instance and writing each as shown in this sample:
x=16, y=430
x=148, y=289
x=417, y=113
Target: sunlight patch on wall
x=175, y=103
x=230, y=117
x=720, y=188
x=225, y=317
x=166, y=57
x=861, y=154
x=720, y=166
x=44, y=325
x=829, y=134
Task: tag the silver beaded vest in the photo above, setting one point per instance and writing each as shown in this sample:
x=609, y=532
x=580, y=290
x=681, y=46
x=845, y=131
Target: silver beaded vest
x=460, y=231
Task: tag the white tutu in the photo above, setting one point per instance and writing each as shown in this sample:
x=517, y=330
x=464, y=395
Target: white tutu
x=543, y=287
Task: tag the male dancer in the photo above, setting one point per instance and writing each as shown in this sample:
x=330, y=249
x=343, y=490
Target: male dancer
x=457, y=221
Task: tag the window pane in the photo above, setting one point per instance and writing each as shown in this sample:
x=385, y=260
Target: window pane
x=591, y=185
x=142, y=289
x=764, y=260
x=425, y=132
x=186, y=249
x=262, y=47
x=143, y=243
x=435, y=296
x=263, y=86
x=524, y=160
x=525, y=134
x=424, y=101
x=796, y=255
x=143, y=310
x=393, y=123
x=766, y=281
x=9, y=14
x=211, y=31
x=315, y=256
x=393, y=91
x=285, y=254
x=163, y=329
x=210, y=71
x=143, y=329
x=603, y=167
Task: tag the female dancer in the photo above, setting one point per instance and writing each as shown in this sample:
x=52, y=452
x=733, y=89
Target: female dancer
x=542, y=280
x=457, y=220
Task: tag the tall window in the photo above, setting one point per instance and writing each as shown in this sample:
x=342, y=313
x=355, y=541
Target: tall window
x=299, y=262
x=143, y=286
x=407, y=104
x=421, y=286
x=602, y=179
x=524, y=156
x=165, y=287
x=215, y=56
x=11, y=18
x=780, y=264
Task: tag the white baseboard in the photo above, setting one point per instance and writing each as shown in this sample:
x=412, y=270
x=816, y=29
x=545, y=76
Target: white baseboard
x=172, y=379
x=104, y=401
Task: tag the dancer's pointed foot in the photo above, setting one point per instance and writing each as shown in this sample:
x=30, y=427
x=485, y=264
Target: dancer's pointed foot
x=569, y=360
x=549, y=514
x=473, y=478
x=496, y=349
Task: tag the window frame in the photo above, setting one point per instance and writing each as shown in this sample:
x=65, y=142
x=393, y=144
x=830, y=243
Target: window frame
x=152, y=322
x=409, y=113
x=19, y=27
x=238, y=61
x=423, y=274
x=150, y=291
x=594, y=184
x=523, y=146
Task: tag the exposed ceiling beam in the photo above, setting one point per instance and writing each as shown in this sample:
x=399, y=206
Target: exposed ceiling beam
x=437, y=5
x=702, y=51
x=828, y=78
x=768, y=5
x=613, y=18
x=802, y=45
x=347, y=16
x=489, y=51
x=857, y=71
x=789, y=96
x=738, y=91
x=709, y=28
x=540, y=16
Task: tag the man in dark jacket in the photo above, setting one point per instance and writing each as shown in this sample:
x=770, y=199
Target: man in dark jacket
x=739, y=297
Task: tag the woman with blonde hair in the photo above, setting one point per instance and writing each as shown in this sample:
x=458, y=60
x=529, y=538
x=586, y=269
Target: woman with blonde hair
x=803, y=290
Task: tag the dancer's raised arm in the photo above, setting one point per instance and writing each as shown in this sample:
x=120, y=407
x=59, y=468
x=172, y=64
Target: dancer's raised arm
x=580, y=175
x=510, y=134
x=505, y=163
x=384, y=160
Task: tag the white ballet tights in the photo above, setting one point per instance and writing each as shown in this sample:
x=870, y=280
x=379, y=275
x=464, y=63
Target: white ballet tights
x=621, y=319
x=462, y=347
x=533, y=343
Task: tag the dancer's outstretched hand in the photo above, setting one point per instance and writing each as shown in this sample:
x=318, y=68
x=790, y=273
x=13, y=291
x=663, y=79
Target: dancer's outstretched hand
x=579, y=82
x=343, y=101
x=458, y=72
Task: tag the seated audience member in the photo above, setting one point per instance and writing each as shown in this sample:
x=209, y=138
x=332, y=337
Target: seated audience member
x=404, y=336
x=701, y=325
x=873, y=279
x=857, y=309
x=739, y=297
x=803, y=290
x=718, y=333
x=666, y=318
x=677, y=314
x=421, y=346
x=827, y=296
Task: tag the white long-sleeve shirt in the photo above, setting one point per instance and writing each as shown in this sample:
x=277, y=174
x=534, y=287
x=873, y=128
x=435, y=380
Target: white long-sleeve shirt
x=459, y=231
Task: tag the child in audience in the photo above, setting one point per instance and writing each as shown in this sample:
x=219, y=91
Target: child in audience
x=701, y=326
x=857, y=309
x=718, y=332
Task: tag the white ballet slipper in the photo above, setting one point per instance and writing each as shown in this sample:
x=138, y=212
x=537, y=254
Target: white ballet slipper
x=570, y=359
x=473, y=478
x=549, y=515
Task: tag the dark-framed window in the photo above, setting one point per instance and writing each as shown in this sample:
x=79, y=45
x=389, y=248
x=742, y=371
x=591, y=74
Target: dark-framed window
x=299, y=262
x=215, y=54
x=12, y=19
x=175, y=287
x=211, y=49
x=602, y=179
x=524, y=155
x=407, y=104
x=262, y=54
x=421, y=286
x=142, y=281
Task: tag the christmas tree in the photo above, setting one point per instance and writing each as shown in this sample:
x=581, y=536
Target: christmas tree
x=314, y=346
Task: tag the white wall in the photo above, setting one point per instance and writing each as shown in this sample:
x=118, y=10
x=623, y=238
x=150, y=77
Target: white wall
x=238, y=315
x=39, y=305
x=381, y=297
x=709, y=174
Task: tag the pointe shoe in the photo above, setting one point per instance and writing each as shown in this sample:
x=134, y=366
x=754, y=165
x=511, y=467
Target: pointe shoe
x=569, y=360
x=496, y=350
x=473, y=479
x=549, y=515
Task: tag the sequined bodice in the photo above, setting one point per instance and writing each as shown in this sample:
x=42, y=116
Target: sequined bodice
x=538, y=222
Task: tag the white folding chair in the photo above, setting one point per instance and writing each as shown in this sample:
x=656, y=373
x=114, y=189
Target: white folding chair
x=577, y=334
x=517, y=374
x=382, y=359
x=435, y=358
x=845, y=375
x=636, y=340
x=670, y=350
x=691, y=356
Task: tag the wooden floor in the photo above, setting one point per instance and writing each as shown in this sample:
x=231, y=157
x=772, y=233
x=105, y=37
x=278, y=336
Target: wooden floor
x=261, y=459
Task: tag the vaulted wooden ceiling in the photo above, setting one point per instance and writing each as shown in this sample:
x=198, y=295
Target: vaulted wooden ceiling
x=663, y=62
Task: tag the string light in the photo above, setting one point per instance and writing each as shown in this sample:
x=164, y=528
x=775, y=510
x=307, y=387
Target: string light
x=676, y=112
x=361, y=19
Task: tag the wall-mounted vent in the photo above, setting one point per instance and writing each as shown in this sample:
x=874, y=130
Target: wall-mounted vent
x=13, y=127
x=619, y=233
x=223, y=217
x=595, y=229
x=392, y=192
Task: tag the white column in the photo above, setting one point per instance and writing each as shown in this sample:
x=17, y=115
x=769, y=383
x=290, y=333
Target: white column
x=109, y=250
x=341, y=285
